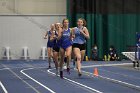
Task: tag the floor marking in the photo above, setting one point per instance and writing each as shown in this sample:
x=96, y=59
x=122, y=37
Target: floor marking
x=70, y=82
x=2, y=86
x=119, y=74
x=106, y=65
x=116, y=81
x=55, y=75
x=22, y=71
x=21, y=67
x=22, y=80
x=77, y=83
x=4, y=68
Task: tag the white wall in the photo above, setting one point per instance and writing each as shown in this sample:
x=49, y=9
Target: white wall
x=32, y=7
x=19, y=31
x=20, y=24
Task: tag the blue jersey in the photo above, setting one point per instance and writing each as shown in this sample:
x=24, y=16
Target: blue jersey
x=79, y=37
x=65, y=39
x=56, y=42
x=50, y=43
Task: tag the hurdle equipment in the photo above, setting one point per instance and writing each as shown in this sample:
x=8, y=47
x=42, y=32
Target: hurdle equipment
x=133, y=57
x=129, y=55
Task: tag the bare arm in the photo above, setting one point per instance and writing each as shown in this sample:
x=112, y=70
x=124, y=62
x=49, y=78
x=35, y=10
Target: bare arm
x=59, y=33
x=72, y=33
x=85, y=32
x=45, y=37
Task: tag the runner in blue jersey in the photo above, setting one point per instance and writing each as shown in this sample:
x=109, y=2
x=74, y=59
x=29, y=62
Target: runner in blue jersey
x=56, y=46
x=66, y=45
x=50, y=43
x=79, y=42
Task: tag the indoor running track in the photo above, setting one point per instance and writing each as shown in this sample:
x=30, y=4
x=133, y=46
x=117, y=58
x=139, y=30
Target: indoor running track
x=34, y=77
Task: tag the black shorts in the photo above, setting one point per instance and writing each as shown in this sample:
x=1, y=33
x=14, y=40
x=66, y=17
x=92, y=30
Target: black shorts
x=56, y=49
x=80, y=46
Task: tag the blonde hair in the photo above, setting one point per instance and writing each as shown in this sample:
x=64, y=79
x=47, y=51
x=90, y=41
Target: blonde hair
x=58, y=24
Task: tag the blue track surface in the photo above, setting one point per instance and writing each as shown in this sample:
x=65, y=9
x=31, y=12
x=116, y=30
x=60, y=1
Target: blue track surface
x=34, y=77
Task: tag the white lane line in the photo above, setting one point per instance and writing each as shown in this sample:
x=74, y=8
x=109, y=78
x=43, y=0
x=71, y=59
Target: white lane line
x=77, y=83
x=2, y=86
x=116, y=81
x=107, y=65
x=132, y=77
x=22, y=79
x=21, y=67
x=22, y=71
x=4, y=68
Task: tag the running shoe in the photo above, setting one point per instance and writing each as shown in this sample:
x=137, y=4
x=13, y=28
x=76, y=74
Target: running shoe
x=61, y=74
x=68, y=70
x=79, y=74
x=49, y=67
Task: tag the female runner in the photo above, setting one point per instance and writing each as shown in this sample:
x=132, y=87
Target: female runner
x=50, y=43
x=66, y=45
x=79, y=42
x=56, y=46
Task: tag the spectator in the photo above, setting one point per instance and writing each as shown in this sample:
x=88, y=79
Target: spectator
x=112, y=55
x=94, y=53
